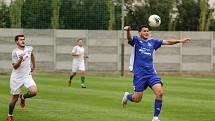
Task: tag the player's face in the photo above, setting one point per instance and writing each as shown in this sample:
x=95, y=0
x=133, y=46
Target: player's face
x=80, y=43
x=21, y=42
x=144, y=33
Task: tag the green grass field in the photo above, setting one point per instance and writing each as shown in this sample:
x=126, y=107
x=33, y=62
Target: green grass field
x=185, y=99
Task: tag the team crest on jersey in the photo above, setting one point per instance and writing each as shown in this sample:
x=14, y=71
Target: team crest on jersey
x=145, y=51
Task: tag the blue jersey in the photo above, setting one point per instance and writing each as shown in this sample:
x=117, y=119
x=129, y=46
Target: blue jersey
x=141, y=60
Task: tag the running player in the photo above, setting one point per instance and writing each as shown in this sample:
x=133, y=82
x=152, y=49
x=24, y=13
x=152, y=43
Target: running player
x=23, y=63
x=78, y=62
x=141, y=64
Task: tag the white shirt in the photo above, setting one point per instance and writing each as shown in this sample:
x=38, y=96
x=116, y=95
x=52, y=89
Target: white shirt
x=24, y=69
x=80, y=51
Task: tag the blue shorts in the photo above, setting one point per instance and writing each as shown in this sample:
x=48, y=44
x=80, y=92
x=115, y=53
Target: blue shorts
x=141, y=82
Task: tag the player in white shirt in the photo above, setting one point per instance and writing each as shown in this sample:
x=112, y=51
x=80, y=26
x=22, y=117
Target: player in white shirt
x=23, y=63
x=78, y=62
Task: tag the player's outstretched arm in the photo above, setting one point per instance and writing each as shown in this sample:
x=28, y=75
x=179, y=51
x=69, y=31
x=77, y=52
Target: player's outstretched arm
x=85, y=56
x=173, y=41
x=128, y=29
x=74, y=54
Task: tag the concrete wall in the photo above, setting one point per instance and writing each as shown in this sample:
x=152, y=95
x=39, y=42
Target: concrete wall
x=52, y=49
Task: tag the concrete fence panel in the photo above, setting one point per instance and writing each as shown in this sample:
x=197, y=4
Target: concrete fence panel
x=52, y=49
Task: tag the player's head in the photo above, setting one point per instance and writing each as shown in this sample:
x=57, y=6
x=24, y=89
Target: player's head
x=20, y=40
x=80, y=42
x=143, y=31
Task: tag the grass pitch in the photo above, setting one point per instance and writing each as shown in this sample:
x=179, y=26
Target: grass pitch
x=185, y=99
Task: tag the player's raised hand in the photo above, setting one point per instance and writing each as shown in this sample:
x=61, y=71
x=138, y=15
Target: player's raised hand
x=22, y=55
x=127, y=28
x=185, y=40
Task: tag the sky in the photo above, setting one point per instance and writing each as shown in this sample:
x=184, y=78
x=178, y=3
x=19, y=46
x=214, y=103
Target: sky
x=212, y=2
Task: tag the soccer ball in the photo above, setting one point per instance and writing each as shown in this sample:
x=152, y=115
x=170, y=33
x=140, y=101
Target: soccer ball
x=154, y=21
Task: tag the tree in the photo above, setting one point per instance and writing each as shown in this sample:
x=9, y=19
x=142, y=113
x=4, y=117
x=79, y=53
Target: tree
x=70, y=12
x=212, y=25
x=205, y=15
x=36, y=14
x=112, y=21
x=138, y=13
x=188, y=17
x=84, y=14
x=4, y=16
x=194, y=15
x=118, y=15
x=15, y=13
x=55, y=16
x=115, y=11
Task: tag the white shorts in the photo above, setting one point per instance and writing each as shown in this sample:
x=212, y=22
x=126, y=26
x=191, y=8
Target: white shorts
x=15, y=85
x=76, y=66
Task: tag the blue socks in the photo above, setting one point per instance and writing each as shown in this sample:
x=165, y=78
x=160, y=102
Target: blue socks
x=129, y=97
x=158, y=105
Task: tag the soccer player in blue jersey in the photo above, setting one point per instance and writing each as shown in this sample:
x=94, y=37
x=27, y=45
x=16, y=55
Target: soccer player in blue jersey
x=141, y=64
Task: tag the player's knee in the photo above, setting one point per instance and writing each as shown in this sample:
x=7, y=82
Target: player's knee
x=82, y=73
x=33, y=93
x=159, y=94
x=14, y=100
x=136, y=99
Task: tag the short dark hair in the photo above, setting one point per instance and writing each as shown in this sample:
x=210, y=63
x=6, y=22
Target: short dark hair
x=142, y=26
x=79, y=39
x=17, y=37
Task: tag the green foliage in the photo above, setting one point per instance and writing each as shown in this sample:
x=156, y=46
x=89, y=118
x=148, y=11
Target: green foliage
x=15, y=13
x=111, y=8
x=36, y=14
x=118, y=16
x=163, y=9
x=4, y=16
x=84, y=14
x=193, y=15
x=138, y=15
x=179, y=15
x=203, y=14
x=212, y=25
x=189, y=13
x=55, y=15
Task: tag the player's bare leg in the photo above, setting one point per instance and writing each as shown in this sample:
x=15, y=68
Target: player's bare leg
x=12, y=106
x=32, y=91
x=71, y=77
x=136, y=97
